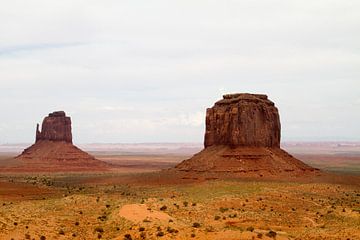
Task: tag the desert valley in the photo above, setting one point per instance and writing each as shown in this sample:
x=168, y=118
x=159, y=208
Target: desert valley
x=243, y=185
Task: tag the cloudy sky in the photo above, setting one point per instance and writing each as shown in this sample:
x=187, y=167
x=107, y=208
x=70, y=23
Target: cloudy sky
x=145, y=71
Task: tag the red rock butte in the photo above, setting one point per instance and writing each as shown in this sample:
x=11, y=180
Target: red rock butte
x=55, y=127
x=54, y=151
x=242, y=136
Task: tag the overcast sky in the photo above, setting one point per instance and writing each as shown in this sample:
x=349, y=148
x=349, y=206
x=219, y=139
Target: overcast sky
x=145, y=71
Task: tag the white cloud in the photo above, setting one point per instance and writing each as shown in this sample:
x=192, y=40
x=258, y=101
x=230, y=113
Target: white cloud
x=154, y=66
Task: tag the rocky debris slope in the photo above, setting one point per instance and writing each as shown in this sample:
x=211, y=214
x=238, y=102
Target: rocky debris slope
x=243, y=138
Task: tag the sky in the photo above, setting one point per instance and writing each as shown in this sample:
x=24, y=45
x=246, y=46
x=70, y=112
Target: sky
x=137, y=71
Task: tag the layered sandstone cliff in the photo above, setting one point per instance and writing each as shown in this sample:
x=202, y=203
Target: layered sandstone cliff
x=243, y=120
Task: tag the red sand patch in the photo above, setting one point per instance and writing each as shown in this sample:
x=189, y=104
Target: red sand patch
x=139, y=212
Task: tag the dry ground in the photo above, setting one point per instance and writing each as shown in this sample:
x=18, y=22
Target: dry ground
x=75, y=206
x=138, y=202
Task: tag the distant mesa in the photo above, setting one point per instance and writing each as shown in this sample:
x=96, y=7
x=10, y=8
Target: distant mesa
x=54, y=151
x=242, y=136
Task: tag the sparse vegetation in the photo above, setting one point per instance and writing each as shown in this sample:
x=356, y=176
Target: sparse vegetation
x=127, y=237
x=196, y=225
x=222, y=209
x=160, y=234
x=209, y=204
x=250, y=229
x=271, y=234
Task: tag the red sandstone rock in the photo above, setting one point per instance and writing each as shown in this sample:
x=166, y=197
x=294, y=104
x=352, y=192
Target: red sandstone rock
x=53, y=150
x=243, y=120
x=55, y=127
x=242, y=138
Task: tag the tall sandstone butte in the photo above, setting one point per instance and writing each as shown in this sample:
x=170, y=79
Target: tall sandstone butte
x=242, y=137
x=55, y=127
x=243, y=120
x=54, y=151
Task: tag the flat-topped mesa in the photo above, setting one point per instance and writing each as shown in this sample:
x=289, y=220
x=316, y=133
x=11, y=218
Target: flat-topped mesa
x=55, y=127
x=243, y=119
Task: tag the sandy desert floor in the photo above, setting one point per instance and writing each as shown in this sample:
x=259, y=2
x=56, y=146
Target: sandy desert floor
x=138, y=202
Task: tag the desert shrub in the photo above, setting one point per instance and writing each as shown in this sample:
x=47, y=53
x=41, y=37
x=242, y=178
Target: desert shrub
x=194, y=204
x=61, y=232
x=27, y=236
x=185, y=203
x=196, y=225
x=259, y=235
x=15, y=223
x=74, y=235
x=217, y=217
x=107, y=205
x=99, y=229
x=222, y=209
x=250, y=229
x=127, y=237
x=193, y=235
x=42, y=238
x=271, y=234
x=77, y=223
x=99, y=236
x=170, y=230
x=141, y=229
x=160, y=234
x=163, y=208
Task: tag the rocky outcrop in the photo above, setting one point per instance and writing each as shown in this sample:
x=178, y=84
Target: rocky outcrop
x=53, y=150
x=243, y=120
x=242, y=139
x=55, y=127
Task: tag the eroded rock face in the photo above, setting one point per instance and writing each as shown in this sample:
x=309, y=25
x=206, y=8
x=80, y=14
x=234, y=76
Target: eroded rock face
x=243, y=120
x=55, y=127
